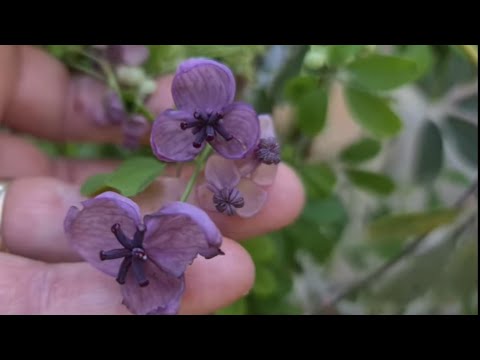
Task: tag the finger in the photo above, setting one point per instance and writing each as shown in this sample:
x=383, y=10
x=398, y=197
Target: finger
x=56, y=114
x=43, y=202
x=30, y=287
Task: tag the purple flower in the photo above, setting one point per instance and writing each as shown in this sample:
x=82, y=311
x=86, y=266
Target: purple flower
x=131, y=55
x=260, y=165
x=203, y=91
x=149, y=257
x=227, y=192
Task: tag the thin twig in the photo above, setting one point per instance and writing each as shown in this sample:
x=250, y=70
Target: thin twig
x=409, y=249
x=470, y=52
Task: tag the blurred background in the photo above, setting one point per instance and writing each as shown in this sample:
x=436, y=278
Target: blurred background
x=385, y=141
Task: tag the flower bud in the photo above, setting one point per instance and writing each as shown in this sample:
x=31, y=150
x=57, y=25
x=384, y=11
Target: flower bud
x=130, y=76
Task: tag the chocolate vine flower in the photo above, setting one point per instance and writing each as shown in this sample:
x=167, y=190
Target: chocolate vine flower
x=149, y=257
x=260, y=165
x=227, y=192
x=203, y=91
x=105, y=108
x=131, y=55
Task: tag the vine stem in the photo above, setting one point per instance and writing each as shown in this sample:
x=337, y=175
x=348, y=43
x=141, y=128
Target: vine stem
x=409, y=249
x=198, y=168
x=470, y=52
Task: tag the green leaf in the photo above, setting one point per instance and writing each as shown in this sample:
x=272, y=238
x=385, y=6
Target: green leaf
x=95, y=184
x=312, y=111
x=265, y=282
x=429, y=160
x=130, y=178
x=262, y=249
x=455, y=177
x=373, y=114
x=360, y=151
x=422, y=55
x=239, y=307
x=381, y=72
x=135, y=174
x=405, y=225
x=418, y=276
x=464, y=136
x=296, y=88
x=325, y=211
x=319, y=179
x=339, y=55
x=372, y=182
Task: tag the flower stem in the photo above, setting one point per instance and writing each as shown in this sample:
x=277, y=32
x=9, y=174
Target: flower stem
x=198, y=168
x=470, y=52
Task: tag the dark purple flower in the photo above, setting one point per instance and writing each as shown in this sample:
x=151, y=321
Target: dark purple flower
x=147, y=257
x=131, y=55
x=227, y=192
x=261, y=164
x=203, y=91
x=134, y=129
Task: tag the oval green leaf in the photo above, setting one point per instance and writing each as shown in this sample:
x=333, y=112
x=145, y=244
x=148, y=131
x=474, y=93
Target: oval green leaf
x=360, y=151
x=312, y=111
x=135, y=174
x=429, y=152
x=372, y=182
x=405, y=225
x=464, y=136
x=373, y=114
x=296, y=88
x=381, y=72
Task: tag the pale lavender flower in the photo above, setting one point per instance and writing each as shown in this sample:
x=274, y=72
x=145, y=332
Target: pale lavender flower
x=148, y=257
x=261, y=164
x=203, y=91
x=225, y=191
x=130, y=55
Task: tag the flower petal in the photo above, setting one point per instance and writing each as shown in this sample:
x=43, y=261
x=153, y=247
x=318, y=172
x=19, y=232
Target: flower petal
x=89, y=229
x=133, y=129
x=160, y=297
x=204, y=197
x=248, y=165
x=114, y=108
x=169, y=142
x=264, y=175
x=203, y=84
x=131, y=55
x=241, y=122
x=253, y=196
x=221, y=173
x=267, y=127
x=177, y=233
x=88, y=99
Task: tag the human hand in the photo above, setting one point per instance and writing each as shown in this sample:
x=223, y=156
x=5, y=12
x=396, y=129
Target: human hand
x=41, y=274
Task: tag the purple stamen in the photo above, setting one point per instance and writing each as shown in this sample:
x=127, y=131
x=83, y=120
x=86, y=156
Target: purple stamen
x=132, y=253
x=206, y=126
x=227, y=200
x=268, y=151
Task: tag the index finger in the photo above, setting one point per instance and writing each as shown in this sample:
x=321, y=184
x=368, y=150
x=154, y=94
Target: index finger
x=39, y=96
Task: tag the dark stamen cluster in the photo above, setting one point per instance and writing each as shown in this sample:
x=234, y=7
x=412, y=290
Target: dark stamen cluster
x=205, y=127
x=133, y=254
x=268, y=151
x=227, y=200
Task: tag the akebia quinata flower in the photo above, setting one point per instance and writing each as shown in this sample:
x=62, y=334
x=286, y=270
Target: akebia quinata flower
x=203, y=91
x=227, y=192
x=261, y=164
x=148, y=256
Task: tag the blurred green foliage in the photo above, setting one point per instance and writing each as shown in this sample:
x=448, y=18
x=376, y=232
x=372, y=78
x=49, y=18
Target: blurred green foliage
x=337, y=222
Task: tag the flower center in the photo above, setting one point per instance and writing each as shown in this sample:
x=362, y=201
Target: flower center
x=226, y=200
x=206, y=126
x=268, y=151
x=133, y=254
